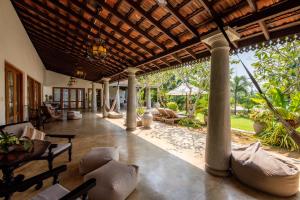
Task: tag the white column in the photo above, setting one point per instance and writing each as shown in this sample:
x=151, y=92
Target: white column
x=118, y=99
x=131, y=100
x=101, y=99
x=218, y=141
x=148, y=97
x=106, y=103
x=94, y=98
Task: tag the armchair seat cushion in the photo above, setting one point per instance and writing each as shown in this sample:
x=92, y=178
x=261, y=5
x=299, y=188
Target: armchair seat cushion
x=60, y=148
x=96, y=158
x=114, y=181
x=54, y=192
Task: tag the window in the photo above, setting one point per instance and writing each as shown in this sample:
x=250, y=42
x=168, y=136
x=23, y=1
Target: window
x=69, y=98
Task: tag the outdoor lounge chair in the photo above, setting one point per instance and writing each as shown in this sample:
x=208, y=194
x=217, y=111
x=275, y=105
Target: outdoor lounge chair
x=162, y=114
x=54, y=192
x=53, y=151
x=173, y=117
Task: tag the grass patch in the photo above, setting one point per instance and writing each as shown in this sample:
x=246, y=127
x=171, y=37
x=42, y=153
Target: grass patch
x=236, y=122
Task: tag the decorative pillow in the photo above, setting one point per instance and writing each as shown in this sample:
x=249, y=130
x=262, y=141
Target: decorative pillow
x=33, y=134
x=259, y=169
x=114, y=181
x=96, y=158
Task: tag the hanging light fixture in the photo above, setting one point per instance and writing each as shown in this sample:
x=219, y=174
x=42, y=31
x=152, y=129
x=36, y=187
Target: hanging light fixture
x=97, y=50
x=72, y=81
x=80, y=73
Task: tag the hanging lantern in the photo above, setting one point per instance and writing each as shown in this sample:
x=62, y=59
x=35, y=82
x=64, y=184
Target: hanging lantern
x=98, y=50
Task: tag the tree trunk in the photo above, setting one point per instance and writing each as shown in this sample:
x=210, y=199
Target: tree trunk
x=235, y=99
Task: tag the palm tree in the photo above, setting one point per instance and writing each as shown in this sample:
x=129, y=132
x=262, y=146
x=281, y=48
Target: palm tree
x=239, y=86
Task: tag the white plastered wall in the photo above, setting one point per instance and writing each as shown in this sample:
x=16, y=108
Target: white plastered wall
x=53, y=79
x=16, y=49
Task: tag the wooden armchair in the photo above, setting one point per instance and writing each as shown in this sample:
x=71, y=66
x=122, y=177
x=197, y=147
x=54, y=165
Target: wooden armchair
x=53, y=151
x=54, y=192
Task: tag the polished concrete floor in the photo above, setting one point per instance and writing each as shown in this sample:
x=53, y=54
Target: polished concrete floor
x=162, y=175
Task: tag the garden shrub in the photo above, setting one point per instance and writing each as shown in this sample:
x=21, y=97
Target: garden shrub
x=190, y=122
x=172, y=106
x=140, y=110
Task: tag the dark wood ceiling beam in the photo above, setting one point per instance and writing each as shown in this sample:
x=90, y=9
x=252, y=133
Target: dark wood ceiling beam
x=189, y=51
x=74, y=23
x=108, y=35
x=124, y=19
x=34, y=28
x=266, y=13
x=252, y=5
x=194, y=13
x=165, y=62
x=148, y=16
x=103, y=21
x=182, y=20
x=46, y=41
x=176, y=57
x=66, y=35
x=261, y=23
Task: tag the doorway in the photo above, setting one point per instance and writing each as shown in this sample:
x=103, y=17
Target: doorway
x=13, y=94
x=34, y=93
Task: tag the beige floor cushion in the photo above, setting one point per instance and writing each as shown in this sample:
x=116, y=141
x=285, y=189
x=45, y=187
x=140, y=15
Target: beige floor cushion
x=114, y=181
x=96, y=158
x=115, y=115
x=259, y=169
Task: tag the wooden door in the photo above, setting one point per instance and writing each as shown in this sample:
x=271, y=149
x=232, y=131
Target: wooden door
x=34, y=93
x=13, y=94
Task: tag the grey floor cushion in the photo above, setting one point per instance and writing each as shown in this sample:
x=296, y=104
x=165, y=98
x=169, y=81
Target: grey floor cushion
x=96, y=158
x=114, y=181
x=259, y=169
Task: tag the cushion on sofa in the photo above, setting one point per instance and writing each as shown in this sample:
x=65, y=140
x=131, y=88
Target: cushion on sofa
x=97, y=157
x=17, y=129
x=54, y=192
x=114, y=181
x=259, y=169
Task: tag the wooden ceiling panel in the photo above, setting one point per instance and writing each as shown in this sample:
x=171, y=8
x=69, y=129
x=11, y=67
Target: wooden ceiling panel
x=142, y=33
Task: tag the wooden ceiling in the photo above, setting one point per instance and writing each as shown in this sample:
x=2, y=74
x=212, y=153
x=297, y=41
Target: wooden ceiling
x=143, y=34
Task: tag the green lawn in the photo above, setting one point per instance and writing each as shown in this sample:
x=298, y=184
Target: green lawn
x=236, y=122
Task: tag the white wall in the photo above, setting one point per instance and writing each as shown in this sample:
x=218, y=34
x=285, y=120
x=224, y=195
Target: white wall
x=53, y=79
x=16, y=49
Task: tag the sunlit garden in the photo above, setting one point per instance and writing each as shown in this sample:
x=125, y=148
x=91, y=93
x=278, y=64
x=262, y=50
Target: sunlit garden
x=185, y=90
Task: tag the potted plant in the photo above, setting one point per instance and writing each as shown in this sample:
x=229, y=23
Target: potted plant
x=10, y=145
x=260, y=118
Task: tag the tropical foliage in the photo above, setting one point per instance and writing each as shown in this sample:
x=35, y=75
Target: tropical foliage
x=172, y=105
x=240, y=90
x=278, y=69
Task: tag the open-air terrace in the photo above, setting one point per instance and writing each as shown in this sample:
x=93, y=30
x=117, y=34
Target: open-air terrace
x=150, y=99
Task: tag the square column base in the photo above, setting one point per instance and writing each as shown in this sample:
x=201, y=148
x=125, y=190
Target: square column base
x=130, y=129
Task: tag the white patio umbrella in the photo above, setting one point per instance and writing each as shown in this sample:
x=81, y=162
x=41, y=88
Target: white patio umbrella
x=185, y=89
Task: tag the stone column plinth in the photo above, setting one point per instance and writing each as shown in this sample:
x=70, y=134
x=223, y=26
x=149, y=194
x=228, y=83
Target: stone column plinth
x=218, y=141
x=131, y=100
x=106, y=104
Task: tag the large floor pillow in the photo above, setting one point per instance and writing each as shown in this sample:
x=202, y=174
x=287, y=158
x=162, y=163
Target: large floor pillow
x=259, y=169
x=114, y=181
x=96, y=158
x=115, y=115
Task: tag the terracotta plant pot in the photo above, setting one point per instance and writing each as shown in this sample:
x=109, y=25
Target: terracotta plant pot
x=259, y=127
